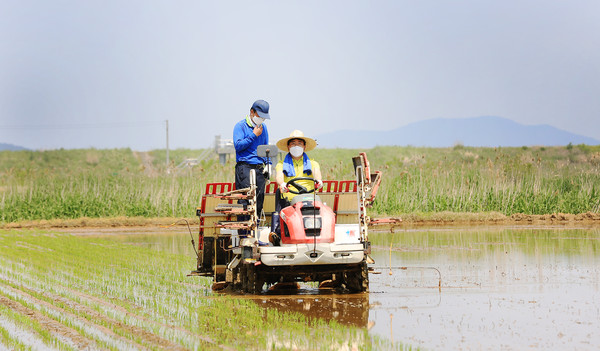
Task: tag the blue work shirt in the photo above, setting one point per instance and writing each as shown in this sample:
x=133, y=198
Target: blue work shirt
x=246, y=143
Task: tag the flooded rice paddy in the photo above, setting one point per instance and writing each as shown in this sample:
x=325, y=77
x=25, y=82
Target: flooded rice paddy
x=501, y=287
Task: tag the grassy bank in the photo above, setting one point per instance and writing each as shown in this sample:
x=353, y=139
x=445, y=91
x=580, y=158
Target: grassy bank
x=524, y=180
x=70, y=184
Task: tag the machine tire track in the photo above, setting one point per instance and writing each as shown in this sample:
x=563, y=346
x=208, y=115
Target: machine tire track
x=130, y=329
x=145, y=319
x=60, y=328
x=148, y=336
x=55, y=327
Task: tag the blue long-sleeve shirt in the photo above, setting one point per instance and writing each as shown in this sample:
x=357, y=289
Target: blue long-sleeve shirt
x=246, y=142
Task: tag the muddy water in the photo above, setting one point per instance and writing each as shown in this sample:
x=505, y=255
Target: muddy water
x=460, y=288
x=512, y=288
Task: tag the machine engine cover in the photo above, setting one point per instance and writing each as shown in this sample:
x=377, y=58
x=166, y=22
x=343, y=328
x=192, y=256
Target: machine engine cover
x=297, y=226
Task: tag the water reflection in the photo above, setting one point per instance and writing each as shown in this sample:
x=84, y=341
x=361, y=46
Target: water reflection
x=501, y=287
x=480, y=241
x=480, y=257
x=519, y=287
x=171, y=240
x=345, y=309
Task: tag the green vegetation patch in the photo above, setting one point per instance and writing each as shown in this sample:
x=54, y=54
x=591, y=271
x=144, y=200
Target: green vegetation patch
x=117, y=294
x=70, y=184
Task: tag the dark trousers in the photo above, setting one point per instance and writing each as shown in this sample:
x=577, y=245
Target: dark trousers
x=280, y=203
x=242, y=180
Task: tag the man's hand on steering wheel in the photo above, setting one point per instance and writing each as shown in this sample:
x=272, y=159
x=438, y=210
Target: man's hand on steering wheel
x=299, y=189
x=319, y=184
x=283, y=187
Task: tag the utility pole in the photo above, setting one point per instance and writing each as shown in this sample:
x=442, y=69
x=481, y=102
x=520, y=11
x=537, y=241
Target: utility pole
x=167, y=124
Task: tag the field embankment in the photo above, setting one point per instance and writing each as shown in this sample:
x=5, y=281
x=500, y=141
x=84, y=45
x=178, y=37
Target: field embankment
x=422, y=185
x=408, y=220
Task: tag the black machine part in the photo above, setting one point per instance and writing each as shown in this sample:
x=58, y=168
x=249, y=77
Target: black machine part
x=299, y=189
x=303, y=190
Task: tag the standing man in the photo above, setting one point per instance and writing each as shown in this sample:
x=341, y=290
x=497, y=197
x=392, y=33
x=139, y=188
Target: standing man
x=248, y=134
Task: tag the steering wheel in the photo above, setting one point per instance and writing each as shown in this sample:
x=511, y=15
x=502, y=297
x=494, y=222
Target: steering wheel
x=300, y=188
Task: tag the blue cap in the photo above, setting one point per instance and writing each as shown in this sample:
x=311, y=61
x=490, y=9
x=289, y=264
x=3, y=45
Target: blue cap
x=262, y=108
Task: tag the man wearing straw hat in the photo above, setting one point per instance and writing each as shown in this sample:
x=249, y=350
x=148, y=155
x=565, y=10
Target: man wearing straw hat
x=295, y=164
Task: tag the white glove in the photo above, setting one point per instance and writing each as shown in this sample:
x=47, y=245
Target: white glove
x=267, y=171
x=319, y=183
x=283, y=187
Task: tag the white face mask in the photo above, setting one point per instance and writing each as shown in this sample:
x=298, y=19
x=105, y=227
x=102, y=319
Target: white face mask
x=257, y=120
x=296, y=151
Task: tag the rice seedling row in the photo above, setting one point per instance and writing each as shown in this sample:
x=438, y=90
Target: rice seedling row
x=20, y=332
x=114, y=296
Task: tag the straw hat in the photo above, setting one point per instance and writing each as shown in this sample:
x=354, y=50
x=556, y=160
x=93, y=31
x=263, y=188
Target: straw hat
x=297, y=134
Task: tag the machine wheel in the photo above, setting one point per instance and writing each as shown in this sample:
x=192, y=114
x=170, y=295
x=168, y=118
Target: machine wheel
x=252, y=279
x=358, y=280
x=244, y=277
x=238, y=278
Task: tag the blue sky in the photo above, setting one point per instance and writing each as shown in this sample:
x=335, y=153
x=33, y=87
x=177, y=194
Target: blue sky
x=104, y=74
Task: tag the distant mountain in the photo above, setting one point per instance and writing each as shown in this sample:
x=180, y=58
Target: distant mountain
x=441, y=132
x=11, y=147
